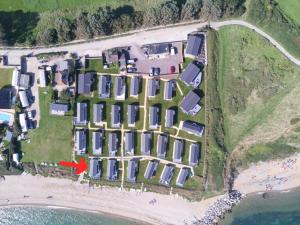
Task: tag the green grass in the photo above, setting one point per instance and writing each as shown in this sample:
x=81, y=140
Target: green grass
x=5, y=77
x=281, y=21
x=52, y=141
x=291, y=9
x=97, y=65
x=253, y=78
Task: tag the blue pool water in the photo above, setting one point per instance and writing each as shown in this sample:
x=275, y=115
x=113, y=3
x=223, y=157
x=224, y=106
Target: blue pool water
x=5, y=117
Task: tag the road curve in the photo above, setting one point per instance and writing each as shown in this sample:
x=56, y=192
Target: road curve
x=140, y=37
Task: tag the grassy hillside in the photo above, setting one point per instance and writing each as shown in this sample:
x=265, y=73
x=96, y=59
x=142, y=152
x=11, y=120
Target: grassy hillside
x=253, y=78
x=280, y=20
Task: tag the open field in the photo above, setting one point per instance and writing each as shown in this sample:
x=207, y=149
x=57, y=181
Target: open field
x=252, y=81
x=5, y=77
x=291, y=9
x=281, y=21
x=52, y=141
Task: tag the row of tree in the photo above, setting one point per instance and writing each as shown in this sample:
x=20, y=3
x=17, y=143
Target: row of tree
x=106, y=21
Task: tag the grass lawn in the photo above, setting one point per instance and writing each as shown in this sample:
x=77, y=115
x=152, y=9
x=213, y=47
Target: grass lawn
x=5, y=77
x=253, y=78
x=291, y=9
x=52, y=141
x=97, y=65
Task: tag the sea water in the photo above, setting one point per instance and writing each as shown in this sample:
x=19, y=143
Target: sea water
x=278, y=208
x=49, y=216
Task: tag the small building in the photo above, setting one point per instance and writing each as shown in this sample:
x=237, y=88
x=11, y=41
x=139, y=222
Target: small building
x=161, y=149
x=159, y=50
x=167, y=174
x=97, y=143
x=189, y=105
x=192, y=127
x=81, y=114
x=59, y=109
x=112, y=170
x=23, y=99
x=182, y=176
x=95, y=171
x=115, y=116
x=168, y=90
x=80, y=142
x=23, y=122
x=104, y=86
x=120, y=88
x=177, y=151
x=65, y=68
x=7, y=97
x=129, y=143
x=15, y=78
x=85, y=82
x=112, y=144
x=192, y=75
x=24, y=81
x=132, y=170
x=169, y=120
x=153, y=86
x=151, y=169
x=132, y=114
x=194, y=44
x=134, y=86
x=146, y=140
x=98, y=113
x=153, y=117
x=123, y=59
x=42, y=78
x=194, y=154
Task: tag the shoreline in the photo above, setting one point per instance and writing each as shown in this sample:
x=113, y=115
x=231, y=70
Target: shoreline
x=75, y=209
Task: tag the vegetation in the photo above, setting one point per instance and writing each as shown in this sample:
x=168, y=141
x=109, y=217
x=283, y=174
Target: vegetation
x=5, y=77
x=49, y=23
x=52, y=140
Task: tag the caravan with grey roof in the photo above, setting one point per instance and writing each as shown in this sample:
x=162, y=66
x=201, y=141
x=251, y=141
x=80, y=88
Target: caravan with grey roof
x=153, y=86
x=131, y=114
x=84, y=84
x=94, y=171
x=177, y=150
x=112, y=170
x=98, y=113
x=192, y=75
x=134, y=86
x=97, y=142
x=129, y=143
x=169, y=120
x=80, y=142
x=189, y=105
x=132, y=170
x=151, y=169
x=194, y=154
x=146, y=143
x=120, y=88
x=153, y=117
x=192, y=127
x=104, y=86
x=116, y=116
x=59, y=109
x=168, y=90
x=166, y=175
x=182, y=176
x=194, y=44
x=81, y=114
x=161, y=148
x=112, y=144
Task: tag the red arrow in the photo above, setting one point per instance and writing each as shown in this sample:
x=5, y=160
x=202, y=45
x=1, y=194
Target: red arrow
x=80, y=167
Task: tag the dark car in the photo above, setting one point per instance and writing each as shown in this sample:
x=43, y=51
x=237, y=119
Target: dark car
x=156, y=71
x=172, y=69
x=131, y=70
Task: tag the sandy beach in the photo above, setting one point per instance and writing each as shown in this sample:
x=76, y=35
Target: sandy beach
x=275, y=175
x=131, y=204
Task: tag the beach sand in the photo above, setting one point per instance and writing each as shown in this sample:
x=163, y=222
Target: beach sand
x=275, y=175
x=168, y=209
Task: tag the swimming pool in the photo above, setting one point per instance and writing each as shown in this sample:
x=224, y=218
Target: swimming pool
x=5, y=118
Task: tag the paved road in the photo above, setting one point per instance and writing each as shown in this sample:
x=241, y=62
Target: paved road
x=164, y=34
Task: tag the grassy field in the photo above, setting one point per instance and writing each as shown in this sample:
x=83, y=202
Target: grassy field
x=281, y=21
x=5, y=77
x=291, y=9
x=253, y=78
x=52, y=141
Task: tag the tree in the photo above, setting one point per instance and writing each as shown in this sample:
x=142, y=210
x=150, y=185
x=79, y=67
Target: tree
x=101, y=21
x=2, y=36
x=212, y=9
x=49, y=36
x=169, y=12
x=84, y=29
x=152, y=17
x=65, y=30
x=123, y=23
x=191, y=9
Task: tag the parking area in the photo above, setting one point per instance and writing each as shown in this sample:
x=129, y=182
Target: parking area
x=144, y=62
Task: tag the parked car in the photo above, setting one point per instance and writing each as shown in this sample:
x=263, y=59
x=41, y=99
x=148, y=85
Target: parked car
x=130, y=61
x=30, y=124
x=173, y=52
x=131, y=70
x=156, y=71
x=172, y=69
x=29, y=114
x=151, y=71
